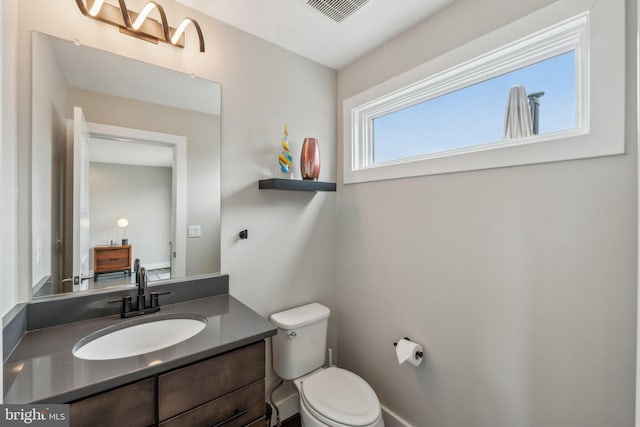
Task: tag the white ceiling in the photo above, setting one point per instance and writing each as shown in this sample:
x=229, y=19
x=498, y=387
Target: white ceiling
x=295, y=26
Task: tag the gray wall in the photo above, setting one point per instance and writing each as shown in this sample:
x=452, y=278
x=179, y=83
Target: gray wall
x=142, y=195
x=203, y=159
x=520, y=282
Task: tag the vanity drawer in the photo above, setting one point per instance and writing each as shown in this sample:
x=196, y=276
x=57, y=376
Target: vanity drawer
x=193, y=385
x=108, y=253
x=236, y=409
x=132, y=404
x=112, y=263
x=259, y=422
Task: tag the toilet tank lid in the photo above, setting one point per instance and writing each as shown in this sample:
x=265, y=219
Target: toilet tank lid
x=300, y=316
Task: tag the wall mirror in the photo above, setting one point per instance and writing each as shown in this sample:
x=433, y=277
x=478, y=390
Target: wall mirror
x=125, y=166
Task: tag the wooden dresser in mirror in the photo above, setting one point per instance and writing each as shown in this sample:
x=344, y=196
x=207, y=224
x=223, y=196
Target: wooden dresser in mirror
x=111, y=259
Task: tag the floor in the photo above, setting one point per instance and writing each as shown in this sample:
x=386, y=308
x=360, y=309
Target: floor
x=292, y=421
x=117, y=279
x=107, y=280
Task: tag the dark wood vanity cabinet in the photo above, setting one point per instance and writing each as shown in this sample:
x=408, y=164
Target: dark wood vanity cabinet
x=240, y=408
x=226, y=390
x=132, y=405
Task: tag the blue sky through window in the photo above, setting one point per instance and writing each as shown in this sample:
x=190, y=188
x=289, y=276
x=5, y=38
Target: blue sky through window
x=475, y=115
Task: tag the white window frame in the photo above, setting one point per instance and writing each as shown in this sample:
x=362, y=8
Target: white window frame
x=594, y=30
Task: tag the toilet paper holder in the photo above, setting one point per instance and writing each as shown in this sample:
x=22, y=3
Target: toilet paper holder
x=419, y=354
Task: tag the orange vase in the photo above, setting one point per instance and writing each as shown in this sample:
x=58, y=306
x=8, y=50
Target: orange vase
x=310, y=159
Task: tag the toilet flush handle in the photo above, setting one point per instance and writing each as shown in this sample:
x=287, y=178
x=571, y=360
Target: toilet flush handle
x=292, y=335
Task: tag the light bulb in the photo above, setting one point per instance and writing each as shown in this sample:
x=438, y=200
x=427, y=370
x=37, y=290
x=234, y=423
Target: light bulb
x=180, y=30
x=143, y=15
x=95, y=9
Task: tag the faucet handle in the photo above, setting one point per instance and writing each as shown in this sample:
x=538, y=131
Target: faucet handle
x=154, y=298
x=126, y=304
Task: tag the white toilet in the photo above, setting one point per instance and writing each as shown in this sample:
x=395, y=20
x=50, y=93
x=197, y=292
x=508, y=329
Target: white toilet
x=331, y=397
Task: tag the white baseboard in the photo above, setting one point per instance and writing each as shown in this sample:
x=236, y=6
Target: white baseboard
x=288, y=406
x=391, y=419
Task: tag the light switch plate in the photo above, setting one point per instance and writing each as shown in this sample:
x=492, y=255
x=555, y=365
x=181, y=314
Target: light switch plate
x=195, y=231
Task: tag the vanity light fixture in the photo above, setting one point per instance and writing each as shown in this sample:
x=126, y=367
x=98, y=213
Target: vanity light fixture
x=139, y=24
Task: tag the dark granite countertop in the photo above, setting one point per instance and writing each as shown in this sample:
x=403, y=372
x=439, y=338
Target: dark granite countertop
x=43, y=369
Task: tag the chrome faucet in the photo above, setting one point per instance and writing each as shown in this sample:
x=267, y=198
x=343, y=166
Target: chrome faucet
x=141, y=306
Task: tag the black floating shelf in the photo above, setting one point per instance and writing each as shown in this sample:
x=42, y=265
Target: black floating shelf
x=295, y=185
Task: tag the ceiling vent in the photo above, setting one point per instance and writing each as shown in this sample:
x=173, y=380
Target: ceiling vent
x=336, y=10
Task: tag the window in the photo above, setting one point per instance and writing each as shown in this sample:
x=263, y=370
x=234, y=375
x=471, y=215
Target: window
x=449, y=115
x=475, y=115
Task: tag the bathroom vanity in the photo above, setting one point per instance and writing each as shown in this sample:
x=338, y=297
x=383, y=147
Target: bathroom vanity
x=222, y=390
x=216, y=377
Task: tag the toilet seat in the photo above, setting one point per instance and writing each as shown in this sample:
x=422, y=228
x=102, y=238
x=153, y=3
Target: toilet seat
x=341, y=398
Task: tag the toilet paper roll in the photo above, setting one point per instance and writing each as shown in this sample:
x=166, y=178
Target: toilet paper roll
x=407, y=351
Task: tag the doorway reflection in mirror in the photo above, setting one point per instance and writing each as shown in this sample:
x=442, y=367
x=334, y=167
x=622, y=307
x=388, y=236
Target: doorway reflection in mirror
x=159, y=110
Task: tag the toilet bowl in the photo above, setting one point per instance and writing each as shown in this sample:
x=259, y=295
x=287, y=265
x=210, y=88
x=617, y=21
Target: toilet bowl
x=329, y=397
x=337, y=398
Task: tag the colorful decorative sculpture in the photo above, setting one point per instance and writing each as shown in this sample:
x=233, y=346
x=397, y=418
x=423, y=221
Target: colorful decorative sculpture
x=285, y=158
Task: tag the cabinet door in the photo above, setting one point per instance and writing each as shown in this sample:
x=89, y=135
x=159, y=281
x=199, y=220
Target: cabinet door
x=188, y=387
x=132, y=405
x=258, y=423
x=236, y=409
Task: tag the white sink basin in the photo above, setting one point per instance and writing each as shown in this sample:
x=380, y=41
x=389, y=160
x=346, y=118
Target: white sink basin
x=139, y=336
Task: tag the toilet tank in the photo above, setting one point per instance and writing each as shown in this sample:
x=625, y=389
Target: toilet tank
x=300, y=344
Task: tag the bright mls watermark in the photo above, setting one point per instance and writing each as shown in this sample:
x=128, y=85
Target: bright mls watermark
x=34, y=415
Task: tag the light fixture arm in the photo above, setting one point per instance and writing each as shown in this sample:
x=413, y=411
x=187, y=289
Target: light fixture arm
x=178, y=33
x=142, y=27
x=97, y=4
x=145, y=14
